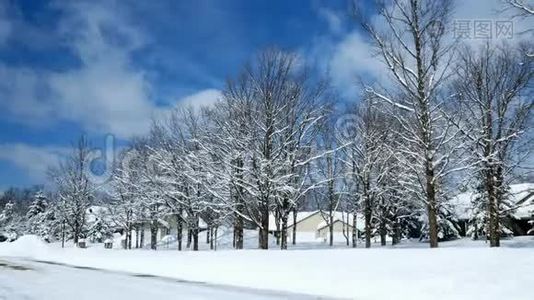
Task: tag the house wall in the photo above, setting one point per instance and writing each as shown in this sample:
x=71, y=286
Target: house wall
x=338, y=227
x=309, y=224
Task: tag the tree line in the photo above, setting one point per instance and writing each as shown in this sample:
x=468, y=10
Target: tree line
x=451, y=117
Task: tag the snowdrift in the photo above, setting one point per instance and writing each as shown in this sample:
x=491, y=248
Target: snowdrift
x=25, y=246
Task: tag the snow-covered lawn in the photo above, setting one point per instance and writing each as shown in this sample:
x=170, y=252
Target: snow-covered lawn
x=459, y=270
x=29, y=280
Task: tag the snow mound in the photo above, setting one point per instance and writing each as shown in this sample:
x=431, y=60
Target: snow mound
x=25, y=246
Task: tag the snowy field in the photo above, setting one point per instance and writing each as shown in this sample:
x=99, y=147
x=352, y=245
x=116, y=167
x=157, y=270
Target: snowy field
x=23, y=280
x=461, y=269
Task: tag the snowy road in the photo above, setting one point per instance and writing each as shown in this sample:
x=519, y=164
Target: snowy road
x=23, y=279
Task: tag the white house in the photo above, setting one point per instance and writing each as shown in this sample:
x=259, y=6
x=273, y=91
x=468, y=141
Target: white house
x=522, y=212
x=313, y=225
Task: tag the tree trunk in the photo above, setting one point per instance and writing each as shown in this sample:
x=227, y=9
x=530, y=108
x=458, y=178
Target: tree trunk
x=493, y=210
x=396, y=232
x=331, y=229
x=136, y=236
x=263, y=238
x=383, y=233
x=63, y=234
x=189, y=237
x=195, y=239
x=129, y=237
x=179, y=230
x=195, y=234
x=142, y=238
x=211, y=238
x=354, y=229
x=238, y=223
x=238, y=231
x=208, y=235
x=432, y=209
x=234, y=245
x=368, y=217
x=277, y=222
x=283, y=244
x=153, y=234
x=215, y=240
x=294, y=241
x=76, y=233
x=264, y=229
x=347, y=232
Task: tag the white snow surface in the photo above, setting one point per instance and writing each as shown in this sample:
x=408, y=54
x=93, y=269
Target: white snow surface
x=461, y=269
x=29, y=280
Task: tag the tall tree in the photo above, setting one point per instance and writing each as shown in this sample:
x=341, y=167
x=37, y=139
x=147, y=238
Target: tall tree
x=411, y=42
x=493, y=95
x=74, y=188
x=369, y=157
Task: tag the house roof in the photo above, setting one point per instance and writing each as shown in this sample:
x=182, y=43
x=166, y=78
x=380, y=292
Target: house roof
x=521, y=195
x=301, y=216
x=324, y=224
x=342, y=217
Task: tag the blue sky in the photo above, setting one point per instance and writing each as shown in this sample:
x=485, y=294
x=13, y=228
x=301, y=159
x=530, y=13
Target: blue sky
x=108, y=67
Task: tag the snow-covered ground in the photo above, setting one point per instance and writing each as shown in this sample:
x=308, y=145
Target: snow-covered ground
x=25, y=280
x=461, y=269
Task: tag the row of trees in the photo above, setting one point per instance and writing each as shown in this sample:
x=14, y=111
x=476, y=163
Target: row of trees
x=278, y=140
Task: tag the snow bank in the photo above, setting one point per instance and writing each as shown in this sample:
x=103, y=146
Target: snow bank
x=26, y=246
x=459, y=272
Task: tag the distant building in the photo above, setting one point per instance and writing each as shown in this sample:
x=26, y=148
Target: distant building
x=521, y=216
x=313, y=225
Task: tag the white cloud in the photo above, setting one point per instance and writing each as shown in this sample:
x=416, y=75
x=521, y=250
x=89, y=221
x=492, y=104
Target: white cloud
x=352, y=57
x=332, y=18
x=34, y=161
x=20, y=90
x=104, y=95
x=203, y=98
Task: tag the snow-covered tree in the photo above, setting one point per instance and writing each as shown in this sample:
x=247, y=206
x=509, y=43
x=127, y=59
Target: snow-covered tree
x=413, y=47
x=368, y=158
x=327, y=175
x=38, y=206
x=39, y=217
x=520, y=8
x=268, y=118
x=494, y=112
x=10, y=222
x=74, y=188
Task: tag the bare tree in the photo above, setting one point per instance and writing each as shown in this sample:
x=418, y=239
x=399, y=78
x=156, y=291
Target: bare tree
x=521, y=7
x=329, y=177
x=493, y=96
x=368, y=157
x=412, y=45
x=269, y=116
x=74, y=188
